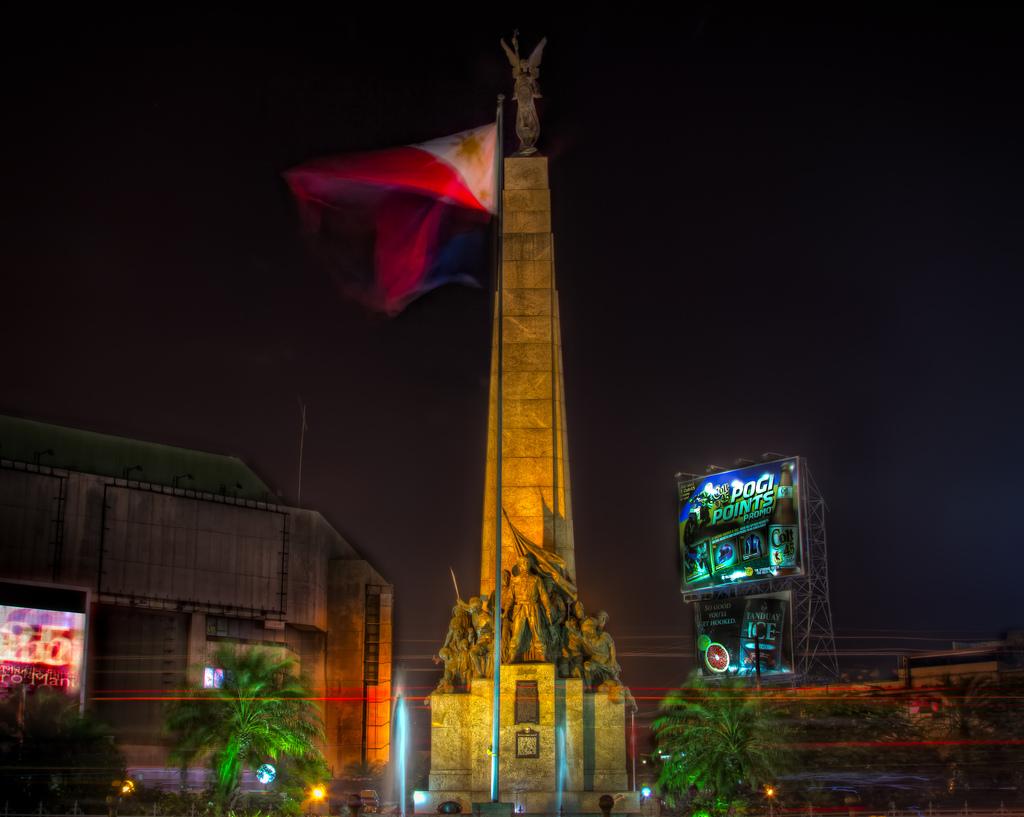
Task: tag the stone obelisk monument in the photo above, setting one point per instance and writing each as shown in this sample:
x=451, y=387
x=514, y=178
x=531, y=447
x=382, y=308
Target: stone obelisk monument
x=562, y=713
x=535, y=491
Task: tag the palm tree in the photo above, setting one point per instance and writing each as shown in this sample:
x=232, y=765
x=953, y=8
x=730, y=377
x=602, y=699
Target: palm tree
x=717, y=739
x=262, y=713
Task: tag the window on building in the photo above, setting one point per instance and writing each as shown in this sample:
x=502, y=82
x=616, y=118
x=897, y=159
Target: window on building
x=213, y=678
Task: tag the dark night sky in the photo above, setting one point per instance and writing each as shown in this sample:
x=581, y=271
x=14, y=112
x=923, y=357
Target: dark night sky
x=773, y=234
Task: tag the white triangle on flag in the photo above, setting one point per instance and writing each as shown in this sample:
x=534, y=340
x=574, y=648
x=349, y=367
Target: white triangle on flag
x=471, y=153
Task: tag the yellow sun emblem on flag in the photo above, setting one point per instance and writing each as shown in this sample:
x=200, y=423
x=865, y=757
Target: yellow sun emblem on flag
x=471, y=150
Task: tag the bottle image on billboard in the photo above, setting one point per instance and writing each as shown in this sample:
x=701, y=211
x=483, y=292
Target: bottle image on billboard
x=782, y=527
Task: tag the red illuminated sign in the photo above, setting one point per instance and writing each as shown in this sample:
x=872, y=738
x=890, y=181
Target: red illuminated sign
x=41, y=648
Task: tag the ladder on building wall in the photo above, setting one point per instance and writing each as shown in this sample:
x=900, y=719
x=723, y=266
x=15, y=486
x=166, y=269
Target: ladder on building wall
x=57, y=523
x=282, y=601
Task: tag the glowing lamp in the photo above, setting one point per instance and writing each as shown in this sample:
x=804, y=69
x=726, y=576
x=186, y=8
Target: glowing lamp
x=266, y=774
x=769, y=791
x=318, y=792
x=645, y=792
x=419, y=797
x=127, y=787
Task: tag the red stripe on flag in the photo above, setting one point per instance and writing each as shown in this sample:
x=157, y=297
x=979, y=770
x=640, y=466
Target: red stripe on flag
x=406, y=168
x=407, y=233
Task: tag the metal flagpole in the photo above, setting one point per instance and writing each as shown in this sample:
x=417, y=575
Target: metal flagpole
x=499, y=328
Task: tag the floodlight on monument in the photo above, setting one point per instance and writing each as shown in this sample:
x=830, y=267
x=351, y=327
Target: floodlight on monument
x=318, y=792
x=419, y=798
x=645, y=792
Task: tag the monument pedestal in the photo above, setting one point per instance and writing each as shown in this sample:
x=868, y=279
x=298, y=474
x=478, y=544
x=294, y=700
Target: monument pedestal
x=561, y=747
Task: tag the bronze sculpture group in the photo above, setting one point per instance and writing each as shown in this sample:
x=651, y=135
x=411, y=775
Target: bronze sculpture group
x=543, y=620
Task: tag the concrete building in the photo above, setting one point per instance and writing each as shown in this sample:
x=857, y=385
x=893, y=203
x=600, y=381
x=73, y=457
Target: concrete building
x=996, y=659
x=183, y=551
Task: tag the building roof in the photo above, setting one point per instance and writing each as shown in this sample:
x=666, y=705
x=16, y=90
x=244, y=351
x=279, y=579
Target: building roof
x=107, y=455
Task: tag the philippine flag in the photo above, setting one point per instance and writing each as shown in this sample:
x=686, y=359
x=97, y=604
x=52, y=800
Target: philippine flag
x=398, y=223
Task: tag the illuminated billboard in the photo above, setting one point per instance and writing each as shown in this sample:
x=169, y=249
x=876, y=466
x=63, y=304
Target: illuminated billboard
x=740, y=526
x=733, y=634
x=42, y=637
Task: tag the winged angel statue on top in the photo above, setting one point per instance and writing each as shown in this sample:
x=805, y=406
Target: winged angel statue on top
x=526, y=73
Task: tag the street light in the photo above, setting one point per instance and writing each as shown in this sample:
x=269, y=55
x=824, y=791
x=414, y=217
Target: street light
x=121, y=789
x=769, y=792
x=317, y=794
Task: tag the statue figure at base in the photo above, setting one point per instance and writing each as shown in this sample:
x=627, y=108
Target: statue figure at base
x=529, y=603
x=482, y=652
x=455, y=652
x=571, y=663
x=600, y=665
